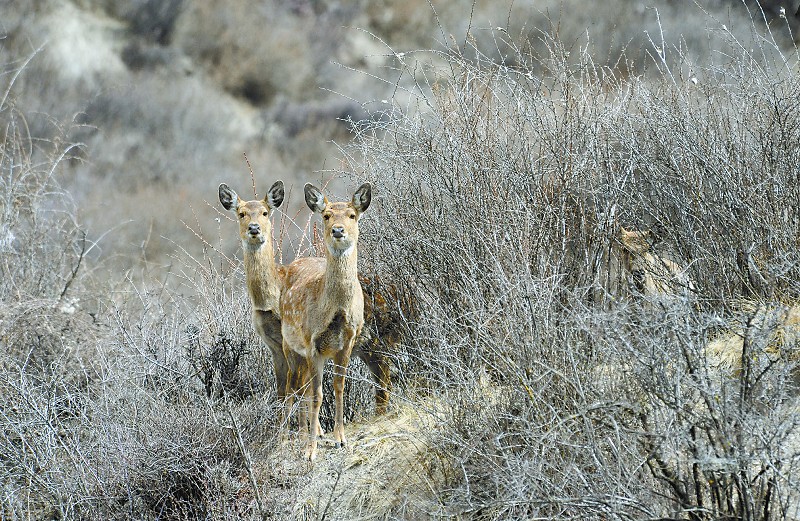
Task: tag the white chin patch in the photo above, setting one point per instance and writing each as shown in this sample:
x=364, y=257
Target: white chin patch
x=253, y=244
x=340, y=252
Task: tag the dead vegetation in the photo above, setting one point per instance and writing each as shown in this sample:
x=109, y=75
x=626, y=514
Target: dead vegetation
x=533, y=380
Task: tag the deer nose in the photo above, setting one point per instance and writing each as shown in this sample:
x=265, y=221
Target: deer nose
x=337, y=232
x=254, y=229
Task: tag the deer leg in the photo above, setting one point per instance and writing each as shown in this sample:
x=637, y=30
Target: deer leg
x=288, y=395
x=379, y=368
x=281, y=368
x=320, y=430
x=268, y=326
x=315, y=388
x=299, y=385
x=302, y=383
x=342, y=360
x=296, y=375
x=308, y=393
x=380, y=372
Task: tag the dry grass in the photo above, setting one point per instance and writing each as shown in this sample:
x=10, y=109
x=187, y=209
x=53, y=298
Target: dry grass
x=534, y=383
x=502, y=199
x=389, y=469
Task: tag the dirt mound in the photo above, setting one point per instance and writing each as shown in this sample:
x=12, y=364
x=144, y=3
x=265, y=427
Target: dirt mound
x=389, y=470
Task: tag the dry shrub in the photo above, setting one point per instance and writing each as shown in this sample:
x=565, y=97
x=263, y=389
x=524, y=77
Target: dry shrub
x=547, y=387
x=39, y=237
x=48, y=344
x=487, y=207
x=757, y=332
x=144, y=402
x=176, y=460
x=500, y=199
x=158, y=417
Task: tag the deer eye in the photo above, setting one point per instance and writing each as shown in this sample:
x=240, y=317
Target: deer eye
x=241, y=215
x=352, y=216
x=326, y=216
x=265, y=214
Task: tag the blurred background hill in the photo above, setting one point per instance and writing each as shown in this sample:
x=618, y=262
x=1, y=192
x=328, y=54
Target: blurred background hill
x=163, y=97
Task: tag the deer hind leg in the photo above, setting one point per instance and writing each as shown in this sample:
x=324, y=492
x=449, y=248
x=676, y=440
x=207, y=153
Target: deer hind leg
x=380, y=372
x=268, y=326
x=378, y=366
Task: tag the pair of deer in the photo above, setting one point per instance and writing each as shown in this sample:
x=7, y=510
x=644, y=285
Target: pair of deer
x=311, y=310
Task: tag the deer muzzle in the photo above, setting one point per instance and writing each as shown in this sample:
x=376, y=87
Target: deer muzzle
x=338, y=232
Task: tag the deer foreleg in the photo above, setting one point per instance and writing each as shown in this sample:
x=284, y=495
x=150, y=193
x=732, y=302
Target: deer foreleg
x=342, y=360
x=315, y=388
x=297, y=374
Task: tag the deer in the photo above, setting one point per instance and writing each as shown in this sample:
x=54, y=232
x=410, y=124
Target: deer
x=653, y=275
x=263, y=276
x=322, y=311
x=265, y=280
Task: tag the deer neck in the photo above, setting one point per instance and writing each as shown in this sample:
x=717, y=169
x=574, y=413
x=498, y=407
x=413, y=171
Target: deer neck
x=341, y=276
x=263, y=285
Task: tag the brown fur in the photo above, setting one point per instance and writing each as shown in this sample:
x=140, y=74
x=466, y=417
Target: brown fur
x=322, y=310
x=652, y=274
x=265, y=280
x=780, y=327
x=386, y=311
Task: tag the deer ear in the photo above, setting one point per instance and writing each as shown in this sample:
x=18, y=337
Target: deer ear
x=362, y=198
x=314, y=198
x=228, y=197
x=274, y=197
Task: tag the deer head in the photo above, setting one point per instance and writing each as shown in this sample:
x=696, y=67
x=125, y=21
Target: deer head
x=255, y=228
x=636, y=242
x=340, y=220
